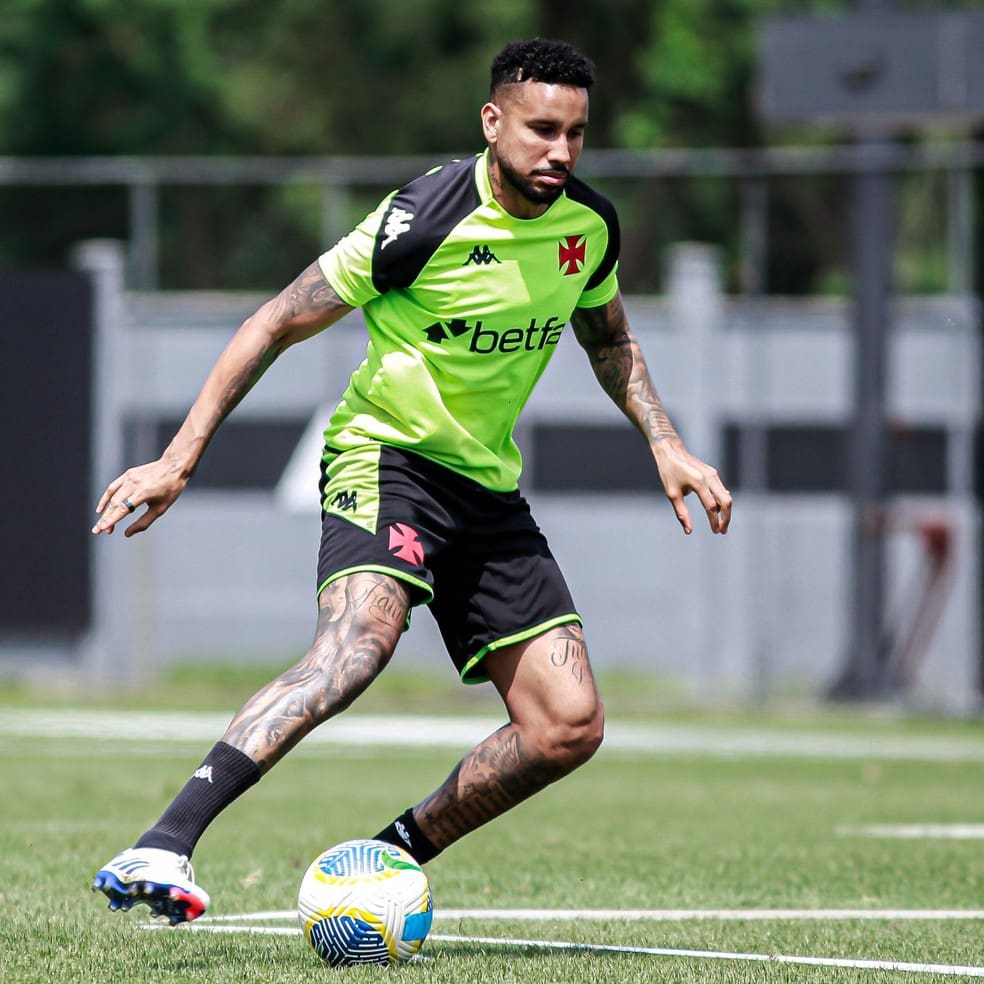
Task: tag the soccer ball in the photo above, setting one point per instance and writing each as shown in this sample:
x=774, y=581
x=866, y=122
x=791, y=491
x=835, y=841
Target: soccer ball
x=365, y=902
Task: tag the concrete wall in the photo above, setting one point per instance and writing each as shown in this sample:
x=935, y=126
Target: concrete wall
x=764, y=610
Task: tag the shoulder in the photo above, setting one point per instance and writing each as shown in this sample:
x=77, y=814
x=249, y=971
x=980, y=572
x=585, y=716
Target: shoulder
x=583, y=194
x=446, y=187
x=418, y=218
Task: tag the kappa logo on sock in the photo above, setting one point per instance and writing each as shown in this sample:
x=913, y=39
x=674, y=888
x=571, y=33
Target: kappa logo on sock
x=203, y=772
x=403, y=832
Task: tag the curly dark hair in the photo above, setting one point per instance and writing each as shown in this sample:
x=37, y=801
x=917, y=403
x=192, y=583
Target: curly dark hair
x=541, y=60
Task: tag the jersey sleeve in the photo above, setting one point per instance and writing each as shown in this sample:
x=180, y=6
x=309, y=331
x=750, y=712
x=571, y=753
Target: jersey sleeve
x=603, y=293
x=348, y=265
x=392, y=245
x=602, y=285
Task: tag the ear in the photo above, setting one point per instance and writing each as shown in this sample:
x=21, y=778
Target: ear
x=491, y=117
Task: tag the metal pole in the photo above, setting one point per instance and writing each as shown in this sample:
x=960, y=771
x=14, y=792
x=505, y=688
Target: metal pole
x=336, y=206
x=143, y=251
x=960, y=229
x=872, y=237
x=754, y=223
x=873, y=231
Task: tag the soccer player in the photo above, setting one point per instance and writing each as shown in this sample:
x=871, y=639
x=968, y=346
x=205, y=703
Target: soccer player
x=466, y=277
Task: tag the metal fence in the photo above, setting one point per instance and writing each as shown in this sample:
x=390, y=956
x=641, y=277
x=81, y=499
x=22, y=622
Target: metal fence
x=339, y=177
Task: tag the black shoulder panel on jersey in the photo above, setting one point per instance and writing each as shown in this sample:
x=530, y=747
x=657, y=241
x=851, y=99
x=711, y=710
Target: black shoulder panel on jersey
x=418, y=220
x=578, y=191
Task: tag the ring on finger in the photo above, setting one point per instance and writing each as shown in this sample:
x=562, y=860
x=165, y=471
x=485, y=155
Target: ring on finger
x=129, y=505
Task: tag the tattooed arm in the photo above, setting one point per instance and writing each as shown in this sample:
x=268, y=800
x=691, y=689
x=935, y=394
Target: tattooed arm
x=620, y=368
x=299, y=311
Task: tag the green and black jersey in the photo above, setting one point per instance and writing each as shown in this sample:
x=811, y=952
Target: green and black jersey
x=465, y=305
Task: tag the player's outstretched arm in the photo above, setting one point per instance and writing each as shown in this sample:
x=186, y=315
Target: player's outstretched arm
x=299, y=311
x=620, y=368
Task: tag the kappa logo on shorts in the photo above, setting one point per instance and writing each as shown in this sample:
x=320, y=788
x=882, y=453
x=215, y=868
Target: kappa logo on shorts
x=404, y=542
x=346, y=500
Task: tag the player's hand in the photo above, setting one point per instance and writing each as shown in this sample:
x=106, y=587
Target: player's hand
x=681, y=473
x=155, y=485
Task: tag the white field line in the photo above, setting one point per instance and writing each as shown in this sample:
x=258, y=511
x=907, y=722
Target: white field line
x=916, y=831
x=643, y=915
x=949, y=970
x=405, y=731
x=213, y=925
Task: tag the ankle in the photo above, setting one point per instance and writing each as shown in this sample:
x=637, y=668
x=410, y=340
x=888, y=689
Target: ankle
x=404, y=832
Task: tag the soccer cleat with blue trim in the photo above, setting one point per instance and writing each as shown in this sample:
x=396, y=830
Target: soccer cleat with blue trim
x=161, y=880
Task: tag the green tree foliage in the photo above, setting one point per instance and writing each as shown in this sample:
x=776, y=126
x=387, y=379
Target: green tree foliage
x=111, y=77
x=153, y=77
x=247, y=76
x=364, y=76
x=324, y=77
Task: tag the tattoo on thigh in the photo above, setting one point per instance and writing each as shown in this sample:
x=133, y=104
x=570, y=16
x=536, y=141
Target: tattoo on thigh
x=386, y=605
x=569, y=650
x=359, y=623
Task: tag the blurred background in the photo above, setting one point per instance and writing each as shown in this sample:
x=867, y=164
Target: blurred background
x=799, y=185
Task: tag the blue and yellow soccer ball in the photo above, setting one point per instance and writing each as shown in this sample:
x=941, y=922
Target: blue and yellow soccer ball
x=365, y=902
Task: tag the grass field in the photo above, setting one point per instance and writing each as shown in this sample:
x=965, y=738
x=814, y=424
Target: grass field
x=715, y=822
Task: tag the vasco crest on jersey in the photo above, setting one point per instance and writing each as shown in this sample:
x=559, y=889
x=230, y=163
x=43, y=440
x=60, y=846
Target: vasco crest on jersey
x=572, y=254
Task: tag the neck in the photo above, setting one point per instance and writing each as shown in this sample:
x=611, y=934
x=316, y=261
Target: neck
x=510, y=198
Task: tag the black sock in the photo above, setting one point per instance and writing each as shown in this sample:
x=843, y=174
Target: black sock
x=404, y=832
x=225, y=775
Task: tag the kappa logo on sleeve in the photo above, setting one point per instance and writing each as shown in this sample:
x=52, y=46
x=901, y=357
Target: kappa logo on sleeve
x=397, y=222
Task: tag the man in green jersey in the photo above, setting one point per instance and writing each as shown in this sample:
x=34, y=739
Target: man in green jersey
x=466, y=278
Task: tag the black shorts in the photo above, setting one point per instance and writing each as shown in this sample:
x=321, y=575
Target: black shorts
x=476, y=557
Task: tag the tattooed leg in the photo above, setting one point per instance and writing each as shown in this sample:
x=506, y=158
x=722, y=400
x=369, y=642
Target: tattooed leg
x=556, y=724
x=360, y=619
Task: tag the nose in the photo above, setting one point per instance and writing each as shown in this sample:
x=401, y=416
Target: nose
x=560, y=152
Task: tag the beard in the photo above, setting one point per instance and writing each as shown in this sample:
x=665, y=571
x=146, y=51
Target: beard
x=524, y=185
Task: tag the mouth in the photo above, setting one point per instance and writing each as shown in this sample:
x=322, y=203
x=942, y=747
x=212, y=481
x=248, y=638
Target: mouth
x=553, y=178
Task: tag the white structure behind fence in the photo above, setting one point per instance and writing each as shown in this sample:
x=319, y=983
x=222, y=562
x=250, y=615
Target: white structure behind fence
x=230, y=575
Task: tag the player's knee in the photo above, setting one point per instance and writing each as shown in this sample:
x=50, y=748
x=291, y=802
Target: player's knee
x=590, y=733
x=577, y=736
x=331, y=677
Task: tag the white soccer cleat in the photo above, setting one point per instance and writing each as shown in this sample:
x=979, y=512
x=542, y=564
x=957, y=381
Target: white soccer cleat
x=162, y=880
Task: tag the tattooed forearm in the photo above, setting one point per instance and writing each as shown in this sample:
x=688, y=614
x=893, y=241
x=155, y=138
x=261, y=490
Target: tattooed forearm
x=300, y=310
x=491, y=779
x=244, y=380
x=359, y=622
x=619, y=366
x=309, y=303
x=234, y=376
